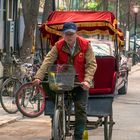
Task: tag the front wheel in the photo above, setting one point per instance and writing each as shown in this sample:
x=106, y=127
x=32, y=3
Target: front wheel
x=7, y=95
x=30, y=100
x=58, y=133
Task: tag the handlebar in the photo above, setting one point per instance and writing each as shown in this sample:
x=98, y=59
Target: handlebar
x=76, y=84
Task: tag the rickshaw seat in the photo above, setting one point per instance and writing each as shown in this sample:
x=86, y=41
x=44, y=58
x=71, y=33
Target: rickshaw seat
x=105, y=76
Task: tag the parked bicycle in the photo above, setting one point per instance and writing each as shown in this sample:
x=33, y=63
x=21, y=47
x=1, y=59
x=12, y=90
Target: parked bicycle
x=3, y=61
x=22, y=73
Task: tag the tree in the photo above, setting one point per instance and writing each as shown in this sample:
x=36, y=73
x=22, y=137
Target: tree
x=30, y=9
x=105, y=4
x=91, y=5
x=48, y=8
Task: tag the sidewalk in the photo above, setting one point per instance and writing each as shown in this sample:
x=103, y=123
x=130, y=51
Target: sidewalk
x=126, y=109
x=135, y=68
x=6, y=118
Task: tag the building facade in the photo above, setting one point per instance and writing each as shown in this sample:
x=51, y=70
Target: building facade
x=9, y=25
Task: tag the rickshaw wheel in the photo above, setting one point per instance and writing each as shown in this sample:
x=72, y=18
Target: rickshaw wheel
x=108, y=126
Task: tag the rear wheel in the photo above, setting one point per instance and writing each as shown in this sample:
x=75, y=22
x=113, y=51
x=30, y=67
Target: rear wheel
x=58, y=133
x=30, y=100
x=108, y=126
x=123, y=90
x=7, y=94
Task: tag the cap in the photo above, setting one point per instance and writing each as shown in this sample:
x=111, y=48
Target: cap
x=69, y=27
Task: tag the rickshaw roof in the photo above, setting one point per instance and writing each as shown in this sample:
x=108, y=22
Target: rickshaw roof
x=88, y=22
x=59, y=17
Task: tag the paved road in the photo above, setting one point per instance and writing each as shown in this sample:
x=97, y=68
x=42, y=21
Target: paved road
x=125, y=109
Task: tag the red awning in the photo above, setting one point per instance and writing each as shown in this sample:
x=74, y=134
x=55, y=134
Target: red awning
x=59, y=17
x=88, y=22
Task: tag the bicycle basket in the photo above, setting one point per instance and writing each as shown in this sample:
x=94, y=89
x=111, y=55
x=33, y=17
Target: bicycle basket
x=61, y=77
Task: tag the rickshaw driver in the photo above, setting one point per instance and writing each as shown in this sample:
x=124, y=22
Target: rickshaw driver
x=75, y=50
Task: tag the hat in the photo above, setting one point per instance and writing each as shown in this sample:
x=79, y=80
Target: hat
x=69, y=27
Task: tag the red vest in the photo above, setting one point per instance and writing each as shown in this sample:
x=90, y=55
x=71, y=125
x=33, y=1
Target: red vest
x=78, y=59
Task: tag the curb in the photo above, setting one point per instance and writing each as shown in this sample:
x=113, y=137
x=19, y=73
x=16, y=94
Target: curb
x=7, y=119
x=11, y=118
x=135, y=68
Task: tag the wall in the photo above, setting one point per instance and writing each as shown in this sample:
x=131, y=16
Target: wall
x=1, y=34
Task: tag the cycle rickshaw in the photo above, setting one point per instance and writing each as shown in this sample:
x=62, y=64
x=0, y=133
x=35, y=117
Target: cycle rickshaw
x=103, y=26
x=101, y=29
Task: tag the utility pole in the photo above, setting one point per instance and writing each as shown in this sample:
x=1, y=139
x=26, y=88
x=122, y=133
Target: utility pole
x=105, y=4
x=53, y=5
x=16, y=29
x=127, y=40
x=128, y=19
x=136, y=10
x=118, y=11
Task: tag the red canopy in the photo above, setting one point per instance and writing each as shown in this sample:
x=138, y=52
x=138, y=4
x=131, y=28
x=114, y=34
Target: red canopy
x=88, y=22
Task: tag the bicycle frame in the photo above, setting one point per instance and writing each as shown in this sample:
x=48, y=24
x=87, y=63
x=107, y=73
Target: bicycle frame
x=66, y=111
x=59, y=104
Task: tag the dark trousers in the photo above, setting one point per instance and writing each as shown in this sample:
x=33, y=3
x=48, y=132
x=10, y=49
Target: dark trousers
x=80, y=99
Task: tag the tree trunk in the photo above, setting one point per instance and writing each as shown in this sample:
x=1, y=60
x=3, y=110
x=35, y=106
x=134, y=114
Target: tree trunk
x=105, y=4
x=30, y=13
x=48, y=8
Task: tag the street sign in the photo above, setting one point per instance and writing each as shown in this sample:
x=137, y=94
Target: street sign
x=12, y=24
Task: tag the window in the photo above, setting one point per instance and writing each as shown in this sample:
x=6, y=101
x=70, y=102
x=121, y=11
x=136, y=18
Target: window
x=1, y=10
x=102, y=47
x=10, y=10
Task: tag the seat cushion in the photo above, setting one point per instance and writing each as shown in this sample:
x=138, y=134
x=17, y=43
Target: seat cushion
x=105, y=76
x=100, y=91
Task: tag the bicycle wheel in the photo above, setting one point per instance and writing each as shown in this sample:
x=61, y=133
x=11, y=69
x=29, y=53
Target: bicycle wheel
x=58, y=133
x=108, y=126
x=7, y=94
x=30, y=100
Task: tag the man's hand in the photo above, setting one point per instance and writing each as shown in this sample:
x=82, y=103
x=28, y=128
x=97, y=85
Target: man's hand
x=36, y=82
x=86, y=85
